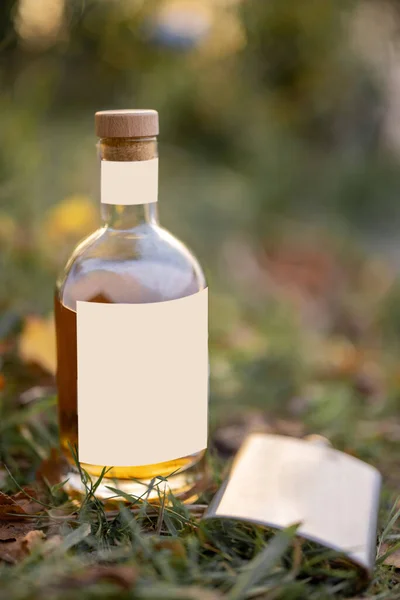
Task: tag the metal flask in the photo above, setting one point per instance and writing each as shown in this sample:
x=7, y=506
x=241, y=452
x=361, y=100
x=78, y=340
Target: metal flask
x=276, y=481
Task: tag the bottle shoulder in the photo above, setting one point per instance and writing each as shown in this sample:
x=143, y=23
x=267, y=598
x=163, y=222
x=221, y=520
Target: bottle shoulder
x=145, y=264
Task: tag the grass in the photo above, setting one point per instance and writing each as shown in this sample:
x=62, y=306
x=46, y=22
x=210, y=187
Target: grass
x=304, y=332
x=277, y=373
x=141, y=551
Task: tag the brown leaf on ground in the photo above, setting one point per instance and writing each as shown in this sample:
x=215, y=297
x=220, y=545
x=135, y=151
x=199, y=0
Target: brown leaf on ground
x=289, y=427
x=53, y=468
x=229, y=437
x=174, y=545
x=19, y=505
x=303, y=265
x=37, y=344
x=124, y=576
x=3, y=477
x=32, y=539
x=393, y=560
x=337, y=357
x=12, y=531
x=20, y=546
x=196, y=593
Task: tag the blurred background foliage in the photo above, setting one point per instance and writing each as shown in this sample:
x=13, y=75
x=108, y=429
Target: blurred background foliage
x=280, y=150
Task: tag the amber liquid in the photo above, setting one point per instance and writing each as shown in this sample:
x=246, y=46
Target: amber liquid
x=67, y=404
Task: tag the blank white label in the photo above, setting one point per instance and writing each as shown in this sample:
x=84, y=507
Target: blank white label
x=129, y=182
x=142, y=381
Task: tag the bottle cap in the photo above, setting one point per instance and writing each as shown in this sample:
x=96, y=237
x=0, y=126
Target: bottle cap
x=132, y=123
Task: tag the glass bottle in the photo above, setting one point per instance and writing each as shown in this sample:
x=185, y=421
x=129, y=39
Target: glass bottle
x=132, y=379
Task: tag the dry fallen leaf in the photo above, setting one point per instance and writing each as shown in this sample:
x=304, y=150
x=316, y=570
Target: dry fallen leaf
x=53, y=468
x=19, y=505
x=304, y=265
x=21, y=546
x=3, y=477
x=124, y=576
x=174, y=545
x=229, y=437
x=196, y=593
x=393, y=560
x=37, y=344
x=12, y=531
x=32, y=540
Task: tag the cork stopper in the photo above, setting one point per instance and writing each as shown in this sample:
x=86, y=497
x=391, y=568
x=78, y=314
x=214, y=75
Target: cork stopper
x=133, y=123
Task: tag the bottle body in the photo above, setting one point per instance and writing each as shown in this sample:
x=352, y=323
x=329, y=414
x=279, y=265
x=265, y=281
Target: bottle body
x=131, y=260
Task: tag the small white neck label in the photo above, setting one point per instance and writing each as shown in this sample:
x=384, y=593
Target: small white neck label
x=129, y=182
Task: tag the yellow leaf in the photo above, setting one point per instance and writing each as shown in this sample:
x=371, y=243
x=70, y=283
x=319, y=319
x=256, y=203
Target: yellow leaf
x=227, y=36
x=73, y=218
x=37, y=343
x=8, y=228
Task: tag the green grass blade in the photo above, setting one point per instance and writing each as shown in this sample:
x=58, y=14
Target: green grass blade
x=74, y=538
x=263, y=563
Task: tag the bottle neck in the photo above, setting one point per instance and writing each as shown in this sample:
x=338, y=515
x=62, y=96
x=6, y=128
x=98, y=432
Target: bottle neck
x=129, y=182
x=119, y=216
